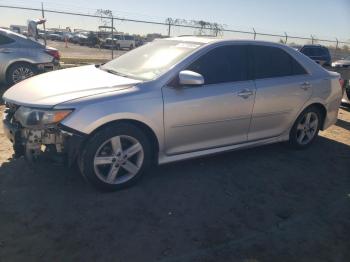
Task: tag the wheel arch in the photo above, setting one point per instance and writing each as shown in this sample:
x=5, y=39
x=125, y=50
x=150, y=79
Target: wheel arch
x=149, y=132
x=322, y=109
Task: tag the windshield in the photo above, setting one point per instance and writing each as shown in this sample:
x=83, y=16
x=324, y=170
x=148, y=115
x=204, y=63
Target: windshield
x=151, y=60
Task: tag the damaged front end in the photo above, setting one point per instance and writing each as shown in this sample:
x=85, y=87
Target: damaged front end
x=37, y=134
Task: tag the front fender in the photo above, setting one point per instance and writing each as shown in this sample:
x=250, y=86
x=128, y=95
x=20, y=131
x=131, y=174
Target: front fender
x=88, y=118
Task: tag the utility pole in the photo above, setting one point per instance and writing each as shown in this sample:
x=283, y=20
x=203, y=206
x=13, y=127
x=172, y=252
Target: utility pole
x=43, y=15
x=254, y=33
x=286, y=38
x=112, y=37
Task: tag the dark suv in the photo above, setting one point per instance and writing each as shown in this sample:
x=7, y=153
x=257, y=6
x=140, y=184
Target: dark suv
x=320, y=54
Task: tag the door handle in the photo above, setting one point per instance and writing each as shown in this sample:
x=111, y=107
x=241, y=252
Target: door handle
x=245, y=93
x=305, y=86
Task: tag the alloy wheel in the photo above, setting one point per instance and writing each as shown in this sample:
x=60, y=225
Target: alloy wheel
x=307, y=128
x=21, y=73
x=119, y=159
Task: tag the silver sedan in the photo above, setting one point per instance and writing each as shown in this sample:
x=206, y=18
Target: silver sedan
x=21, y=57
x=170, y=100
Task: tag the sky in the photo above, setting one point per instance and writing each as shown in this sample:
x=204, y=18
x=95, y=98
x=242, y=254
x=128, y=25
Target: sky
x=325, y=19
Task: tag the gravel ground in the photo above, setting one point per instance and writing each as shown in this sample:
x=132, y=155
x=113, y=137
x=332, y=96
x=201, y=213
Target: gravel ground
x=262, y=204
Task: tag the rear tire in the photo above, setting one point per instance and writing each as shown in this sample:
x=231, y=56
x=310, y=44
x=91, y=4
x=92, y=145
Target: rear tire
x=306, y=128
x=116, y=157
x=19, y=72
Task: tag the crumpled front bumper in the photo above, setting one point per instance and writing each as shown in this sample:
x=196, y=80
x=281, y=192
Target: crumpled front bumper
x=56, y=143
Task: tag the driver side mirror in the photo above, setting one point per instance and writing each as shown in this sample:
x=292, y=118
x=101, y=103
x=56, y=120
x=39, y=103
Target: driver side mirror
x=190, y=78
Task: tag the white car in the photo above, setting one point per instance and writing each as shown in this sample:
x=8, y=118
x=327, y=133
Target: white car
x=120, y=42
x=344, y=62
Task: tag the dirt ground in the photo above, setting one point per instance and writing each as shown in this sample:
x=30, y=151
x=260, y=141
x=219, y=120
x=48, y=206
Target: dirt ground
x=264, y=204
x=77, y=52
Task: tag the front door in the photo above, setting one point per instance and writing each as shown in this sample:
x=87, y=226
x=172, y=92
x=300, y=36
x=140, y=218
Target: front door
x=215, y=114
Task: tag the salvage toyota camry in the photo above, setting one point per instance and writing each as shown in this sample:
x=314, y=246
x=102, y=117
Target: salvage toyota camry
x=170, y=100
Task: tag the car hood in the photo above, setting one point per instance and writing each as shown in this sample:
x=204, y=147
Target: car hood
x=50, y=89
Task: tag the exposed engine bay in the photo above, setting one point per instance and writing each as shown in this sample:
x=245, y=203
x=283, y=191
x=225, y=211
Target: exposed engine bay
x=49, y=141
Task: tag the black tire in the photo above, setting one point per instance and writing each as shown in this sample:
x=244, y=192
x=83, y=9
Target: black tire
x=295, y=132
x=131, y=47
x=10, y=78
x=93, y=145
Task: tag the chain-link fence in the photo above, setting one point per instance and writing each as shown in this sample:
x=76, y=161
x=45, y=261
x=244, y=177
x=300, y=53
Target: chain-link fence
x=105, y=26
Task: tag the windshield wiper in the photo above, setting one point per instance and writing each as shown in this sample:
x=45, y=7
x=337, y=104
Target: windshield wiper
x=111, y=71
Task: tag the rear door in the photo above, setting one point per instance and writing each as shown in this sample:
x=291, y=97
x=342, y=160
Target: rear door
x=282, y=88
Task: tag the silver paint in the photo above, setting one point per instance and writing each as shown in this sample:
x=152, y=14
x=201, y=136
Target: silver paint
x=188, y=121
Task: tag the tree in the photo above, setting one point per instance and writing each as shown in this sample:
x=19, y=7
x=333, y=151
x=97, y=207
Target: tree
x=103, y=13
x=214, y=29
x=203, y=27
x=173, y=22
x=217, y=29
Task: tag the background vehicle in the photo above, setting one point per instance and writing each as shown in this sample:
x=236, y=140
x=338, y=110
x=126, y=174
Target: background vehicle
x=55, y=36
x=344, y=62
x=320, y=54
x=93, y=40
x=119, y=42
x=346, y=95
x=139, y=42
x=79, y=38
x=172, y=100
x=21, y=57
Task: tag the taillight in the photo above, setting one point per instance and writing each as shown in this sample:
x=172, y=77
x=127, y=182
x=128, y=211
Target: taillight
x=54, y=53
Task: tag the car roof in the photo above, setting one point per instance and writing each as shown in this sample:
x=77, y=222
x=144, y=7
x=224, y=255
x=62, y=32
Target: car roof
x=11, y=33
x=19, y=38
x=210, y=40
x=320, y=46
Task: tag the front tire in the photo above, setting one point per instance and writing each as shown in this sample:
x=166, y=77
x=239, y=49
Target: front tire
x=306, y=128
x=116, y=157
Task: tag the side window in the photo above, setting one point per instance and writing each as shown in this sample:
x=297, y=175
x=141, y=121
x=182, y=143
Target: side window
x=274, y=62
x=318, y=52
x=5, y=40
x=307, y=51
x=223, y=64
x=324, y=51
